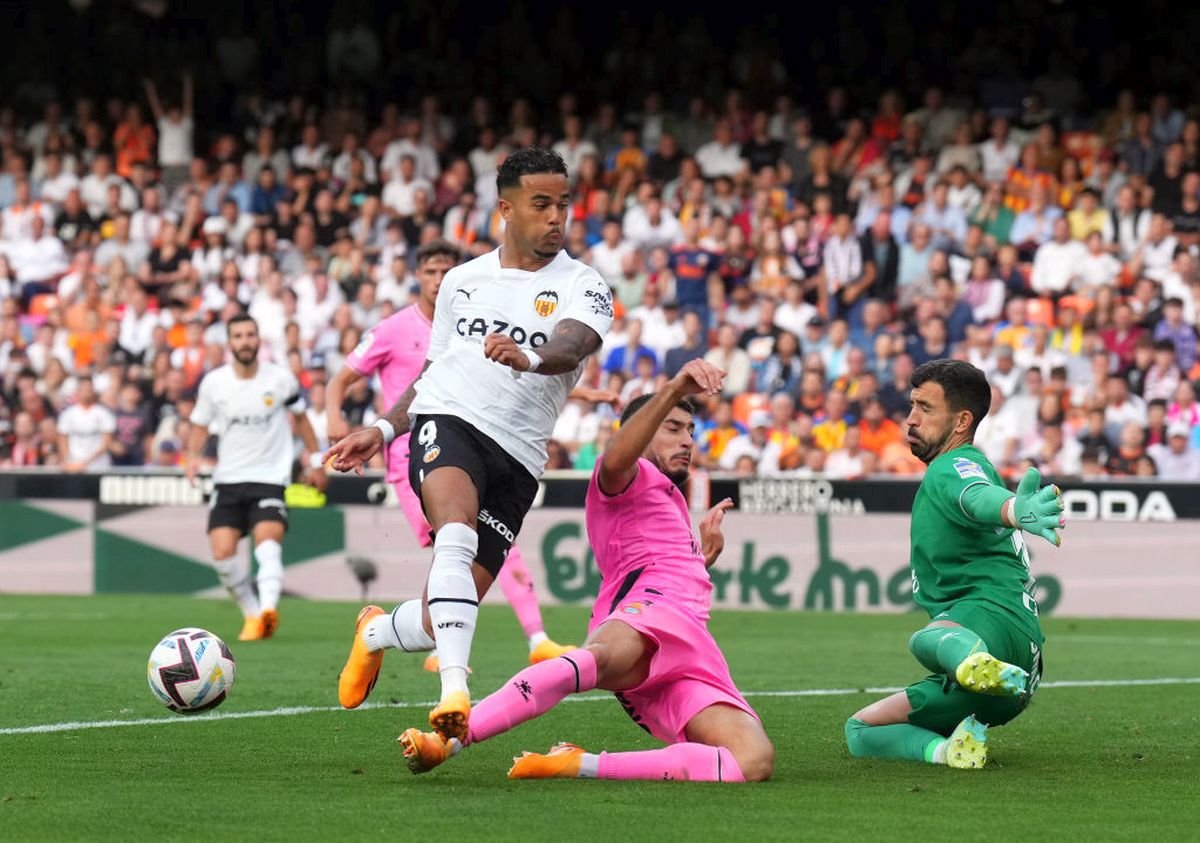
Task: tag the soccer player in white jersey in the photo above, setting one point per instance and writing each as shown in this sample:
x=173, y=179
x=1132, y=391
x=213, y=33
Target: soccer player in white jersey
x=511, y=331
x=395, y=351
x=249, y=402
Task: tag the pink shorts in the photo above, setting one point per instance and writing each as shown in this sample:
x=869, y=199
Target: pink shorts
x=688, y=671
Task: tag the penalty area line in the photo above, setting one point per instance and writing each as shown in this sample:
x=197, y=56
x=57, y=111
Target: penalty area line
x=290, y=711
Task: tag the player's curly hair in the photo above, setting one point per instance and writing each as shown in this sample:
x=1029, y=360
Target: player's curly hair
x=533, y=160
x=965, y=387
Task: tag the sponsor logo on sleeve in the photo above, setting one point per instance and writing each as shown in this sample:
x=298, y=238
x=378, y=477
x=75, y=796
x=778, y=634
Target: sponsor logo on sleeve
x=600, y=302
x=966, y=468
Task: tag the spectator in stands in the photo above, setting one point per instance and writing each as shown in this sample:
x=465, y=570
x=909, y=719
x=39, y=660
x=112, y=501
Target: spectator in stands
x=755, y=443
x=1121, y=337
x=781, y=370
x=85, y=431
x=727, y=356
x=718, y=432
x=1174, y=459
x=1130, y=449
x=829, y=432
x=694, y=344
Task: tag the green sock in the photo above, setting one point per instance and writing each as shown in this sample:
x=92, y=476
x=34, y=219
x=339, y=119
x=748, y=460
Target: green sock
x=898, y=740
x=942, y=648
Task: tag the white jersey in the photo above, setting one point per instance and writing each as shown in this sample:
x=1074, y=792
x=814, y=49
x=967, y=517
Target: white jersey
x=256, y=444
x=85, y=428
x=480, y=298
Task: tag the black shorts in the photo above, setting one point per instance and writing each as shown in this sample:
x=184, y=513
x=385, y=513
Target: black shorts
x=242, y=505
x=506, y=489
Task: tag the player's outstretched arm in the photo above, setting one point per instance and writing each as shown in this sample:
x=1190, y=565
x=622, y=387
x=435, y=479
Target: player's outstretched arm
x=571, y=342
x=353, y=452
x=1032, y=509
x=618, y=464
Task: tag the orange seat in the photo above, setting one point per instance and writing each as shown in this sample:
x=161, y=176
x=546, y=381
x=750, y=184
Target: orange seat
x=745, y=403
x=1040, y=312
x=1081, y=304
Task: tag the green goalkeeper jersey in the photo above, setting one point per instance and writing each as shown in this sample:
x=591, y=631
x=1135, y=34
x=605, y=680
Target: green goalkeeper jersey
x=956, y=558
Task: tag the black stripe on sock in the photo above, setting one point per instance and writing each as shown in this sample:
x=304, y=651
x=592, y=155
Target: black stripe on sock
x=396, y=632
x=433, y=600
x=719, y=764
x=576, y=667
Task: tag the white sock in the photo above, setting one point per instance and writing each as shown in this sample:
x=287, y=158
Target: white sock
x=235, y=576
x=269, y=556
x=453, y=602
x=939, y=752
x=401, y=629
x=537, y=638
x=589, y=765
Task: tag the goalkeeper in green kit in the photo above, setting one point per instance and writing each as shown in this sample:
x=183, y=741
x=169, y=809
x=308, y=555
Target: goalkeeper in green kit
x=970, y=572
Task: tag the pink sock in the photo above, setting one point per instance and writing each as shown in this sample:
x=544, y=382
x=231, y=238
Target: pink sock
x=532, y=692
x=695, y=762
x=518, y=590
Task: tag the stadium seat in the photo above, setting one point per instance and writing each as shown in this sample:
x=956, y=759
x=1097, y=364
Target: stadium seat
x=746, y=402
x=1081, y=304
x=1040, y=311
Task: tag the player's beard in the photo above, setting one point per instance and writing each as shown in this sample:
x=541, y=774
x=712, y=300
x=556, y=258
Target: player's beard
x=246, y=356
x=927, y=451
x=678, y=476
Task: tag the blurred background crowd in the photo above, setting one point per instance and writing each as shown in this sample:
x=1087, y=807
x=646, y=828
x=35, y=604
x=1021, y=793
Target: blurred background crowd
x=815, y=232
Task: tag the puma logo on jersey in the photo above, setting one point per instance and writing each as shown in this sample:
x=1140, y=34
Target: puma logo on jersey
x=466, y=293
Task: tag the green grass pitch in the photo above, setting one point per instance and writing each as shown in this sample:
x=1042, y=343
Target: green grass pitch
x=1084, y=762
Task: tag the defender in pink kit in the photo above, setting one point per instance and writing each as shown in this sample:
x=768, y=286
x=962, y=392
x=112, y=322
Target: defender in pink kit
x=648, y=640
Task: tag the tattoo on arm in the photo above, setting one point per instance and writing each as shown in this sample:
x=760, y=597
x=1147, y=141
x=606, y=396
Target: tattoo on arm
x=570, y=343
x=398, y=415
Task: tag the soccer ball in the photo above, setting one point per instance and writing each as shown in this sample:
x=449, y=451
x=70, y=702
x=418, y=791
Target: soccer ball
x=190, y=670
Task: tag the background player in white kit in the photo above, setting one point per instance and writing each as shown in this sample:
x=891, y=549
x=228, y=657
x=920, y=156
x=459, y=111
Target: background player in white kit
x=249, y=401
x=511, y=331
x=395, y=351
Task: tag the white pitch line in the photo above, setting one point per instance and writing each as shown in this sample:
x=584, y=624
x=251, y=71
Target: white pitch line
x=288, y=711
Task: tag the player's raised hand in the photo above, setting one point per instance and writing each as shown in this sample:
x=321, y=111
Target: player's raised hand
x=354, y=451
x=503, y=349
x=1039, y=510
x=699, y=376
x=712, y=540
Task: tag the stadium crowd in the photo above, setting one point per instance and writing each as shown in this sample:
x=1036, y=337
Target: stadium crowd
x=817, y=254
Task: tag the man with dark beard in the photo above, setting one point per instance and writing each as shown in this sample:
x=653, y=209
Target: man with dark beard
x=970, y=572
x=248, y=402
x=648, y=640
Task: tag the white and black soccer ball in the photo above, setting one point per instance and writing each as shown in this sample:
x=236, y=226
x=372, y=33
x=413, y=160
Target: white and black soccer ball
x=191, y=670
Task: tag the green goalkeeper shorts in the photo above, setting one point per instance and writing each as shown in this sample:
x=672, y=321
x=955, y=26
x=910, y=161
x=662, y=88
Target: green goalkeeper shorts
x=939, y=704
